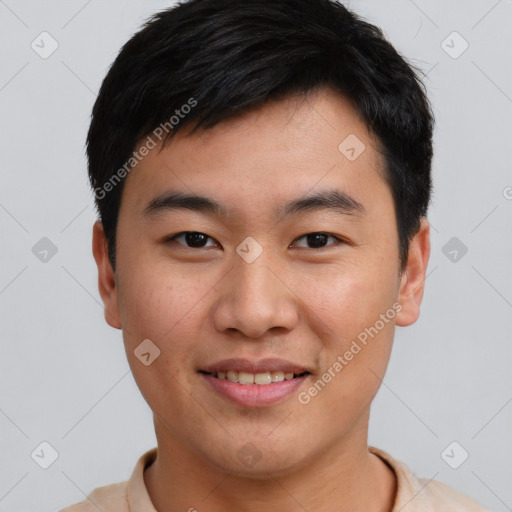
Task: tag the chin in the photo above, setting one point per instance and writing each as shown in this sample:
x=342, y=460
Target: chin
x=256, y=460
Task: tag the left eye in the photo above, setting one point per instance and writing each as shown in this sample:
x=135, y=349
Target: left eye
x=318, y=240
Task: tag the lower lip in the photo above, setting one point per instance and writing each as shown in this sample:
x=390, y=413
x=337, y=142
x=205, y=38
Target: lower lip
x=254, y=395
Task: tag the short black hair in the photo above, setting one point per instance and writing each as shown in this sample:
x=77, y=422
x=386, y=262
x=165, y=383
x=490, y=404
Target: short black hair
x=210, y=60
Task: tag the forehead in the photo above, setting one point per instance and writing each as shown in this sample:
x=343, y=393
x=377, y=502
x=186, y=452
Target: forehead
x=268, y=155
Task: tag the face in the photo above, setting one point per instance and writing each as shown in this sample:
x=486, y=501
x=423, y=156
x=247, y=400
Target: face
x=292, y=278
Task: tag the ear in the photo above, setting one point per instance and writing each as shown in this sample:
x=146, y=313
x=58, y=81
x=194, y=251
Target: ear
x=412, y=281
x=106, y=276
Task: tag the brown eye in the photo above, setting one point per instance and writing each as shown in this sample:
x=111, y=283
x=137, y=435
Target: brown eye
x=318, y=240
x=192, y=239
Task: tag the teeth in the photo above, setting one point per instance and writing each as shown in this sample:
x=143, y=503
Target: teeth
x=277, y=376
x=245, y=378
x=262, y=379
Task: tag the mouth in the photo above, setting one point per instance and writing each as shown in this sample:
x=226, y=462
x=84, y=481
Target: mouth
x=258, y=379
x=254, y=384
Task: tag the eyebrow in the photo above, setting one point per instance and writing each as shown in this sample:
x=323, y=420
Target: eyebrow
x=334, y=200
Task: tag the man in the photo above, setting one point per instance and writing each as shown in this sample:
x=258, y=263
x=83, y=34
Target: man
x=262, y=177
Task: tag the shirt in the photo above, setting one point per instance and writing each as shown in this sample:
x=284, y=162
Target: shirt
x=413, y=494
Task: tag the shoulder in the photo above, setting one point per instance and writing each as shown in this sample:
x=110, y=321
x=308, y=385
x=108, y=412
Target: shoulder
x=422, y=494
x=109, y=498
x=122, y=496
x=445, y=498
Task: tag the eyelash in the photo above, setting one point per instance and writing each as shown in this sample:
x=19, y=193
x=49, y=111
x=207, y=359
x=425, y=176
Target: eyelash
x=338, y=239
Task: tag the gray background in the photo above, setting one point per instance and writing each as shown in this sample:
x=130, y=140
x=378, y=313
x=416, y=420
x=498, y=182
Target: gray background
x=64, y=375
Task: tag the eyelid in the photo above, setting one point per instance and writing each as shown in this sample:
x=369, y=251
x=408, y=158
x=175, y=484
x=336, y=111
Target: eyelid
x=338, y=239
x=172, y=238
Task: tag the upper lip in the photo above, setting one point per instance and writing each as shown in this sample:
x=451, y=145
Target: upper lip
x=260, y=366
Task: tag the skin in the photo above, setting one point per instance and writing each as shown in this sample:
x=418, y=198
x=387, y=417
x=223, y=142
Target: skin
x=295, y=301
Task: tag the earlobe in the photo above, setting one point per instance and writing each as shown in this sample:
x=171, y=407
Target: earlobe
x=106, y=276
x=412, y=282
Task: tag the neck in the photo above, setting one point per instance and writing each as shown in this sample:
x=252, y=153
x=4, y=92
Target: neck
x=346, y=478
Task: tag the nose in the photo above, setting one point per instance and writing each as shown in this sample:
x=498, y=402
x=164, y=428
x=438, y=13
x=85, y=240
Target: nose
x=254, y=299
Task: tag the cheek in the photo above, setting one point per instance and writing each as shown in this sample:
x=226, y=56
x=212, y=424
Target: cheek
x=355, y=357
x=346, y=307
x=347, y=297
x=160, y=306
x=366, y=345
x=158, y=299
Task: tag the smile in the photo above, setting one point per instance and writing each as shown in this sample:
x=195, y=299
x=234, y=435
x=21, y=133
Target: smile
x=259, y=379
x=254, y=390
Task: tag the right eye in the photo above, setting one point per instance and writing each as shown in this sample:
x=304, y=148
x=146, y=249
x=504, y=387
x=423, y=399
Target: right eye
x=192, y=239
